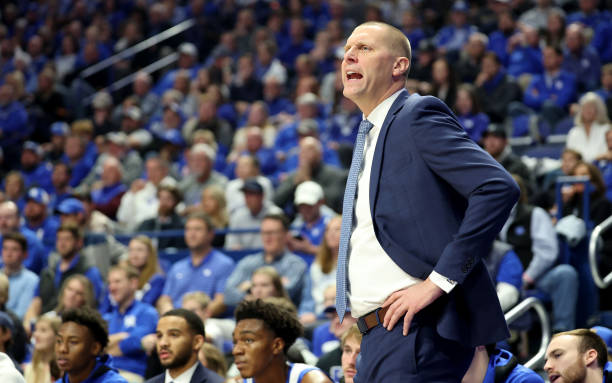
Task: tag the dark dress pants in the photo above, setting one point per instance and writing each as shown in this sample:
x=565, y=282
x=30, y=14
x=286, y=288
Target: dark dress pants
x=422, y=356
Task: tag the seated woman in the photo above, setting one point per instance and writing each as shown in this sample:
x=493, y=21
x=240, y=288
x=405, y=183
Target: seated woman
x=214, y=204
x=588, y=136
x=323, y=269
x=468, y=112
x=266, y=282
x=43, y=368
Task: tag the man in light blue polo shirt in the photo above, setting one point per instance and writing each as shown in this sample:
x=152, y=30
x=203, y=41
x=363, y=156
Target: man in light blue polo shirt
x=22, y=282
x=206, y=269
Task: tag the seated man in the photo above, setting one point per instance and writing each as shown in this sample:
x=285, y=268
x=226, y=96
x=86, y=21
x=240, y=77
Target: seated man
x=292, y=268
x=530, y=231
x=206, y=269
x=180, y=335
x=22, y=282
x=69, y=244
x=263, y=334
x=129, y=321
x=9, y=222
x=326, y=337
x=37, y=218
x=249, y=216
x=312, y=220
x=491, y=365
x=79, y=348
x=578, y=356
x=351, y=347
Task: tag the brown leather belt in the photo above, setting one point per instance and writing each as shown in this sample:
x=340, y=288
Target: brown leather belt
x=371, y=320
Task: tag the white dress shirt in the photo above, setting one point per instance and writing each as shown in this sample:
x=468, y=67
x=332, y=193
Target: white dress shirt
x=185, y=377
x=373, y=275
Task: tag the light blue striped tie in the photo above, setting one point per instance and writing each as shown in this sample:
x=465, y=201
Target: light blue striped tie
x=347, y=217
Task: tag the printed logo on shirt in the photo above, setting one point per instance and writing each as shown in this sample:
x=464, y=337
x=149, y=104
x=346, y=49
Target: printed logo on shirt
x=179, y=275
x=129, y=321
x=207, y=272
x=519, y=230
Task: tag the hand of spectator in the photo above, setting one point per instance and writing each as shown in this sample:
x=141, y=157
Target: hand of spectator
x=245, y=286
x=137, y=185
x=308, y=318
x=567, y=193
x=482, y=78
x=528, y=282
x=148, y=343
x=407, y=302
x=302, y=245
x=607, y=156
x=574, y=108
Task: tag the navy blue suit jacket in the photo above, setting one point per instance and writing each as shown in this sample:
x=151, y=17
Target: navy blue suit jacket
x=200, y=375
x=437, y=202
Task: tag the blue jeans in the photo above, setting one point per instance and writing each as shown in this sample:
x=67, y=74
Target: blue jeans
x=561, y=283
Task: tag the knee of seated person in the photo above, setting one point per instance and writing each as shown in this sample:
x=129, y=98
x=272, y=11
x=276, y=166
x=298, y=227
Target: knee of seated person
x=566, y=272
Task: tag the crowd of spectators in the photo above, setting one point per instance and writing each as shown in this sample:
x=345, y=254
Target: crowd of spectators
x=233, y=157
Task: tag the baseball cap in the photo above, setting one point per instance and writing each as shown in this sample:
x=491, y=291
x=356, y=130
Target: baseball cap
x=308, y=126
x=59, y=128
x=496, y=130
x=71, y=206
x=37, y=195
x=117, y=138
x=460, y=6
x=308, y=193
x=188, y=49
x=133, y=112
x=307, y=98
x=252, y=186
x=33, y=146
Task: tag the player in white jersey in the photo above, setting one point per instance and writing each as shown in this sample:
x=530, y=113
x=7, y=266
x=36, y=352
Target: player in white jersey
x=263, y=334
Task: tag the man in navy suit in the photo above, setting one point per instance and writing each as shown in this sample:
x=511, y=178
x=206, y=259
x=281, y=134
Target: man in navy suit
x=428, y=204
x=180, y=335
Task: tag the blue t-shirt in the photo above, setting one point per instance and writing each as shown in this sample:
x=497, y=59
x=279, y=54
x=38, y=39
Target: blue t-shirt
x=103, y=372
x=209, y=276
x=139, y=319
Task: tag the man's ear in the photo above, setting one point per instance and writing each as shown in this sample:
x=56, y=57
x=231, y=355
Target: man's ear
x=401, y=66
x=278, y=345
x=96, y=348
x=197, y=343
x=590, y=357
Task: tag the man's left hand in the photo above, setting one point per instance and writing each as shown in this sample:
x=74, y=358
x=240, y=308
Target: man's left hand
x=409, y=301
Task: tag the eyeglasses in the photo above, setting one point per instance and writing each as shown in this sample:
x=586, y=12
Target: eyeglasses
x=272, y=232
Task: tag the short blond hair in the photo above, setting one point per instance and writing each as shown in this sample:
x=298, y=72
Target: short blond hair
x=352, y=332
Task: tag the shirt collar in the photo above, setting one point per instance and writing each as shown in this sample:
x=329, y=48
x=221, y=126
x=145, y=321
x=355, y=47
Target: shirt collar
x=185, y=377
x=378, y=115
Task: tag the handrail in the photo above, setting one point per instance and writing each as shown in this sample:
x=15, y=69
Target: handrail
x=137, y=48
x=127, y=80
x=520, y=309
x=607, y=280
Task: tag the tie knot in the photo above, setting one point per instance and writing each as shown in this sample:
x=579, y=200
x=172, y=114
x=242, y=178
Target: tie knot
x=365, y=126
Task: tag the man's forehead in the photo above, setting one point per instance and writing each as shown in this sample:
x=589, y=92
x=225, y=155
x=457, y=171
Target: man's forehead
x=171, y=322
x=563, y=342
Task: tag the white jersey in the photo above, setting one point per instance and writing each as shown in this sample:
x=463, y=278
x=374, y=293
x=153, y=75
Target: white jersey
x=296, y=373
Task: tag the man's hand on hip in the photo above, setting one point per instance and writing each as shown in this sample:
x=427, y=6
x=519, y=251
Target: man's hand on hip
x=409, y=301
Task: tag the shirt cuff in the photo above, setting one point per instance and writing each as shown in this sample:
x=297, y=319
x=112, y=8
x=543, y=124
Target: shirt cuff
x=442, y=282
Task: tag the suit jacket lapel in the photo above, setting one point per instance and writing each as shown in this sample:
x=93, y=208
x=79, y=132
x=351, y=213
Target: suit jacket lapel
x=198, y=376
x=378, y=152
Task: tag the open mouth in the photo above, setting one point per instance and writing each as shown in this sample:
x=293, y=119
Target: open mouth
x=553, y=378
x=350, y=75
